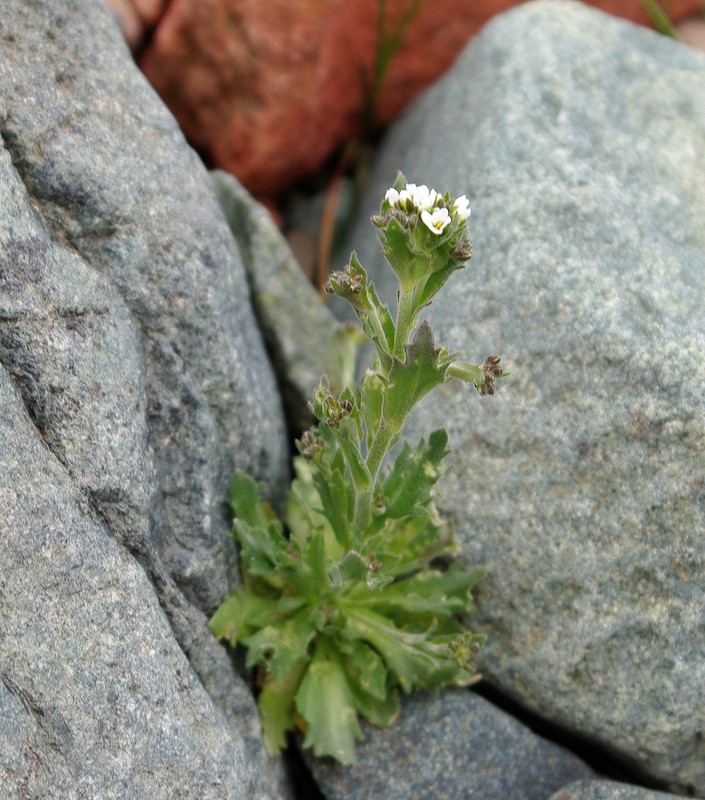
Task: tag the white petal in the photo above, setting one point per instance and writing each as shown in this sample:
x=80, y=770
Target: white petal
x=392, y=197
x=406, y=199
x=461, y=206
x=437, y=221
x=425, y=197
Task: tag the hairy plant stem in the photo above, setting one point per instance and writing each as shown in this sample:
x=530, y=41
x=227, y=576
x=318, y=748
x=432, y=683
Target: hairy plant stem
x=405, y=318
x=406, y=312
x=379, y=331
x=378, y=450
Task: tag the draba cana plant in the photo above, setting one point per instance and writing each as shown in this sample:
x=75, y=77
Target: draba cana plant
x=355, y=593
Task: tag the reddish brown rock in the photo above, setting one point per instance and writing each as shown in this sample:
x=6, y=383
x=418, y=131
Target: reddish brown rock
x=269, y=90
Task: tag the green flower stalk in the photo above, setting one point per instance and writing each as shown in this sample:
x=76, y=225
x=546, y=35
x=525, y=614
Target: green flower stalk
x=355, y=594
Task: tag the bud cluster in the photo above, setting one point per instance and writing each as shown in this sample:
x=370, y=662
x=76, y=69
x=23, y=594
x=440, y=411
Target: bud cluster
x=490, y=370
x=328, y=408
x=310, y=445
x=435, y=210
x=344, y=282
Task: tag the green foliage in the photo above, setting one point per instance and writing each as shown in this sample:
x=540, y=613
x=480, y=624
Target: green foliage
x=354, y=595
x=389, y=38
x=659, y=18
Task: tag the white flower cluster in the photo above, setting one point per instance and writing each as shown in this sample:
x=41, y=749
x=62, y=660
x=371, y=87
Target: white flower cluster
x=429, y=204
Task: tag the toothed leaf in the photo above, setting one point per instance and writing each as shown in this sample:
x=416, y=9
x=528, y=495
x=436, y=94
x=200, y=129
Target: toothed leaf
x=276, y=708
x=413, y=474
x=327, y=703
x=423, y=369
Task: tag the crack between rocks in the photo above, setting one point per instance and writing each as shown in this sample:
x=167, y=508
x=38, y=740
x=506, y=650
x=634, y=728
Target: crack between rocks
x=606, y=761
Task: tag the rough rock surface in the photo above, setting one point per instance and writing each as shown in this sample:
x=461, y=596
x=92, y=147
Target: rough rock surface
x=133, y=381
x=107, y=170
x=96, y=697
x=580, y=141
x=607, y=790
x=450, y=746
x=269, y=90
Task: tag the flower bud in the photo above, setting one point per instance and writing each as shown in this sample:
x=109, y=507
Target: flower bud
x=490, y=371
x=461, y=250
x=310, y=445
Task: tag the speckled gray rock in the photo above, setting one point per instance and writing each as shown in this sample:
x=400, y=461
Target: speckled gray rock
x=451, y=746
x=110, y=176
x=133, y=381
x=580, y=140
x=607, y=790
x=96, y=697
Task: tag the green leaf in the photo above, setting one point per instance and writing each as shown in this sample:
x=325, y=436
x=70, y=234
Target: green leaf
x=366, y=668
x=385, y=325
x=351, y=567
x=246, y=502
x=406, y=544
x=408, y=263
x=437, y=279
x=378, y=712
x=327, y=703
x=413, y=474
x=281, y=645
x=337, y=501
x=304, y=509
x=243, y=613
x=307, y=513
x=276, y=708
x=260, y=546
x=371, y=399
x=416, y=660
x=429, y=593
x=400, y=181
x=659, y=18
x=411, y=379
x=356, y=463
x=314, y=557
x=256, y=528
x=345, y=344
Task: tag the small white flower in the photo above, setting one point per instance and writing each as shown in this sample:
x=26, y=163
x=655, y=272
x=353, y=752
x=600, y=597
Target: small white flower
x=437, y=221
x=424, y=198
x=406, y=200
x=461, y=207
x=392, y=197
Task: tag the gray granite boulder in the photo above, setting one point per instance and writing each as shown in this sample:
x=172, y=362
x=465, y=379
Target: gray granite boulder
x=97, y=699
x=606, y=790
x=451, y=746
x=106, y=170
x=133, y=381
x=580, y=141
